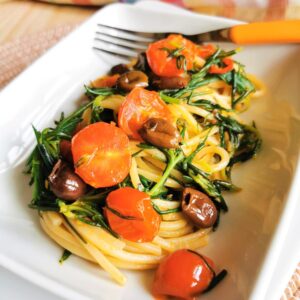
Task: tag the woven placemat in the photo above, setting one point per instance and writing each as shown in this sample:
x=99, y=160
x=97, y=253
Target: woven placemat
x=16, y=55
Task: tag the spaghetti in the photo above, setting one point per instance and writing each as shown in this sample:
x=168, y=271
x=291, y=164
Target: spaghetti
x=193, y=99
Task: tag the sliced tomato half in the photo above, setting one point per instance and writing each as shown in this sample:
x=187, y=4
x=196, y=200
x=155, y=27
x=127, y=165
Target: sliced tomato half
x=101, y=154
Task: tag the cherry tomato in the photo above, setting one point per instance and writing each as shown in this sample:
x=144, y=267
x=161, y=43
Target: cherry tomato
x=101, y=154
x=139, y=106
x=161, y=60
x=131, y=215
x=205, y=51
x=228, y=62
x=105, y=81
x=183, y=274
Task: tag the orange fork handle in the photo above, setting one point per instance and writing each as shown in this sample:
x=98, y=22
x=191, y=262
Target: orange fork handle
x=273, y=32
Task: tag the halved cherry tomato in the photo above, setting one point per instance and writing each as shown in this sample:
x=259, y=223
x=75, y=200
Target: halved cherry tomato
x=162, y=63
x=183, y=274
x=131, y=215
x=139, y=106
x=101, y=154
x=228, y=62
x=105, y=81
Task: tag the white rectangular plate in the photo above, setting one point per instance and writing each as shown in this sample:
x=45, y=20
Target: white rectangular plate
x=257, y=241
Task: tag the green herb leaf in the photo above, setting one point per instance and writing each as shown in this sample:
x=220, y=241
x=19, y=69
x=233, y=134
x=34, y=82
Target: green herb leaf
x=85, y=212
x=164, y=212
x=120, y=215
x=249, y=145
x=169, y=99
x=209, y=188
x=226, y=185
x=145, y=146
x=181, y=62
x=66, y=254
x=207, y=105
x=230, y=123
x=174, y=156
x=94, y=92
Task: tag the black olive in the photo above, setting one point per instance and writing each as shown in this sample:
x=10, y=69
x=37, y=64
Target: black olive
x=128, y=81
x=64, y=183
x=160, y=132
x=169, y=83
x=119, y=69
x=199, y=208
x=65, y=150
x=142, y=63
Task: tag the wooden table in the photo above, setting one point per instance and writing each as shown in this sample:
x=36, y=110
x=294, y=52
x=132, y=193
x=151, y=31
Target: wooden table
x=20, y=18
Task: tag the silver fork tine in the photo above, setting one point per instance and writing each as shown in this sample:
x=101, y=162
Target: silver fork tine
x=132, y=40
x=120, y=42
x=122, y=47
x=119, y=55
x=125, y=44
x=148, y=35
x=115, y=32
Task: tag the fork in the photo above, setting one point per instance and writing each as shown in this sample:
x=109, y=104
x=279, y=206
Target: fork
x=126, y=44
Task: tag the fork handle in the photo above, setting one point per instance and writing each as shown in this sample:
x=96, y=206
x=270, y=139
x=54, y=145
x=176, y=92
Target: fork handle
x=272, y=32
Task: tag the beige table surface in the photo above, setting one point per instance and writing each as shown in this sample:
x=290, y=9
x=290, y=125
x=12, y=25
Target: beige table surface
x=21, y=18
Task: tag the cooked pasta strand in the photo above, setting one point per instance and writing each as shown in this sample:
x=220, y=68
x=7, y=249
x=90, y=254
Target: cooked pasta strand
x=99, y=257
x=154, y=177
x=178, y=233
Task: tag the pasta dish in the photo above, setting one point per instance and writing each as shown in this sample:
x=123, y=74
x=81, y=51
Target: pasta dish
x=134, y=178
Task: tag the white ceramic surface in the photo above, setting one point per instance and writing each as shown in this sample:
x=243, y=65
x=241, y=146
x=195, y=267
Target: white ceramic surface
x=258, y=240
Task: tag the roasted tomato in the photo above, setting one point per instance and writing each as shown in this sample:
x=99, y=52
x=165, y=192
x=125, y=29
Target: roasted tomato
x=205, y=51
x=131, y=215
x=101, y=154
x=183, y=274
x=228, y=66
x=139, y=106
x=171, y=56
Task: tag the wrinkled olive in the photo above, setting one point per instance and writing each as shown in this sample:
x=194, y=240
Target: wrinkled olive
x=160, y=132
x=64, y=183
x=65, y=150
x=169, y=83
x=132, y=79
x=199, y=208
x=142, y=63
x=119, y=69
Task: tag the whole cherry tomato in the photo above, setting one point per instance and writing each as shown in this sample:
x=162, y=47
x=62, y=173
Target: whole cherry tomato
x=131, y=215
x=139, y=106
x=171, y=56
x=101, y=154
x=183, y=274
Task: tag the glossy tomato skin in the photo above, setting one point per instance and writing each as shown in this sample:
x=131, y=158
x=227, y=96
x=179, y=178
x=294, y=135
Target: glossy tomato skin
x=162, y=64
x=139, y=221
x=183, y=274
x=139, y=106
x=101, y=154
